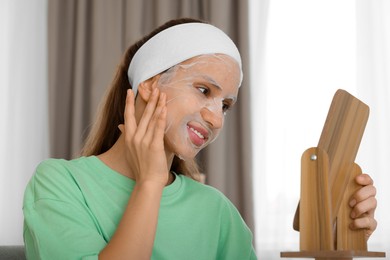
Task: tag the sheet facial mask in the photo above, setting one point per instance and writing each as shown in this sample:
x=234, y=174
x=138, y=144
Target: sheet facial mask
x=199, y=91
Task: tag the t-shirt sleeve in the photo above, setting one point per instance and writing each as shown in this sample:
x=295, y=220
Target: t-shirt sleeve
x=236, y=237
x=58, y=224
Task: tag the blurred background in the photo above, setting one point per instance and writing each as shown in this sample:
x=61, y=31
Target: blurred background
x=57, y=58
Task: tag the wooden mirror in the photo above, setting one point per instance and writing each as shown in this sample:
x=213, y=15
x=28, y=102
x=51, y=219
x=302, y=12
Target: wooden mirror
x=327, y=183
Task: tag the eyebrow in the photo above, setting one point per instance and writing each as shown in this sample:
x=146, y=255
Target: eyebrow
x=212, y=81
x=233, y=99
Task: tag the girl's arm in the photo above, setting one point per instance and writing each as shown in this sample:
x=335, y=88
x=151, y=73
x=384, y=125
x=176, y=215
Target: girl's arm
x=146, y=157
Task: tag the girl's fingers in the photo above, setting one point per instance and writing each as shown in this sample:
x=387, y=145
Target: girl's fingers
x=130, y=124
x=151, y=127
x=157, y=122
x=362, y=194
x=364, y=179
x=366, y=222
x=148, y=112
x=366, y=206
x=158, y=141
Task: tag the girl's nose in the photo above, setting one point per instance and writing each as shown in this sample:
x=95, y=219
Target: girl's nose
x=213, y=118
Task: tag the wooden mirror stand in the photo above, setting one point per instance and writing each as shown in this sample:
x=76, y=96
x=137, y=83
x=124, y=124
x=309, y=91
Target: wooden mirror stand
x=328, y=174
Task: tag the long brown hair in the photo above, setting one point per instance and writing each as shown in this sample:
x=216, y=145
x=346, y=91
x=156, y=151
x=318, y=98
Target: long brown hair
x=105, y=132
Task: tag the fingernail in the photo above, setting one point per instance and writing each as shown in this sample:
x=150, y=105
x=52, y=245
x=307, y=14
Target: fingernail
x=352, y=203
x=353, y=214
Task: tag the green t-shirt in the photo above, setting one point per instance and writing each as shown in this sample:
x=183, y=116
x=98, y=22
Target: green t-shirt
x=72, y=209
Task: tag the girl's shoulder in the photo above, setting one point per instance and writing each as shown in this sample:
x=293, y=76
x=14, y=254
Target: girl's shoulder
x=61, y=167
x=205, y=192
x=54, y=179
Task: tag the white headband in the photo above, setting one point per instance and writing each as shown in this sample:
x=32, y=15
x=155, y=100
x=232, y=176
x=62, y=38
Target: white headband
x=175, y=45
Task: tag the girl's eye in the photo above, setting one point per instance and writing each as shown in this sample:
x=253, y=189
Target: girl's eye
x=204, y=90
x=225, y=107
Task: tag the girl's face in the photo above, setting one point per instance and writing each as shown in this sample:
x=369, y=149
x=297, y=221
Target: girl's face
x=199, y=93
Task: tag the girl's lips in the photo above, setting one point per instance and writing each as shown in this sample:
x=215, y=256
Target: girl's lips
x=198, y=135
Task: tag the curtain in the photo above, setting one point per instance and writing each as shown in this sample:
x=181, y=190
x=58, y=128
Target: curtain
x=23, y=107
x=86, y=41
x=303, y=51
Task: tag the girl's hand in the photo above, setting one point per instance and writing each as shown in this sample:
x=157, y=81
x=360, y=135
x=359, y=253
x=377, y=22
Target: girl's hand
x=145, y=142
x=146, y=159
x=363, y=204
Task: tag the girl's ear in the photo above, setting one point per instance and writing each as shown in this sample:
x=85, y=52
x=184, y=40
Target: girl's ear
x=146, y=87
